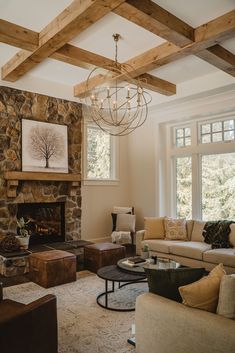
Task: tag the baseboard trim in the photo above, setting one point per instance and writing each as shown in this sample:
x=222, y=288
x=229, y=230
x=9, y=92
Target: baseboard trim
x=101, y=240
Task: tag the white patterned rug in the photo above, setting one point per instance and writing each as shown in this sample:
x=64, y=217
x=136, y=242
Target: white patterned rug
x=84, y=327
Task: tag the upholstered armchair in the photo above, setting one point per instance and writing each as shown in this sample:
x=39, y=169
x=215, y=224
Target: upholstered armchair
x=28, y=328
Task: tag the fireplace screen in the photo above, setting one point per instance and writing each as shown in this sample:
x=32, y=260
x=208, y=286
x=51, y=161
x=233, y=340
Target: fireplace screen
x=46, y=221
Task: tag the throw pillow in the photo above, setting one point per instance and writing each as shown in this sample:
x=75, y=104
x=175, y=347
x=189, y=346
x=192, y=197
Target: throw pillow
x=226, y=304
x=154, y=228
x=204, y=294
x=232, y=234
x=175, y=229
x=167, y=282
x=189, y=227
x=216, y=233
x=114, y=219
x=198, y=231
x=125, y=223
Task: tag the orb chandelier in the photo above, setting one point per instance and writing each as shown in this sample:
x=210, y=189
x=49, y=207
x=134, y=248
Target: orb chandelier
x=116, y=108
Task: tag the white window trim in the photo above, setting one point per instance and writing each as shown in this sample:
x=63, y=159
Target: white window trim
x=211, y=121
x=114, y=160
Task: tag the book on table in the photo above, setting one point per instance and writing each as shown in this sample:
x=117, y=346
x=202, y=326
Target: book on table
x=134, y=263
x=136, y=260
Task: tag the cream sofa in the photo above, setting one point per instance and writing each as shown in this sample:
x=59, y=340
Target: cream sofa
x=165, y=326
x=193, y=252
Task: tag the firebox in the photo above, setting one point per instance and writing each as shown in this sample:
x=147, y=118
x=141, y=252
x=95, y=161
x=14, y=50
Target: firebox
x=46, y=221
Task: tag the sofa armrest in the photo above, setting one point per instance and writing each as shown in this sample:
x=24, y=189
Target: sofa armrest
x=171, y=326
x=139, y=238
x=33, y=326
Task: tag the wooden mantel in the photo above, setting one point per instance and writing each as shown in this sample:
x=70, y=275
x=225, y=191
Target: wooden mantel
x=13, y=178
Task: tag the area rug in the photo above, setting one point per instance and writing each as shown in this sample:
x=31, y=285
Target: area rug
x=85, y=327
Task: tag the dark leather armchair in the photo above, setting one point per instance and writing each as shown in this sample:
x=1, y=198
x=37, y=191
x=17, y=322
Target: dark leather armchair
x=28, y=328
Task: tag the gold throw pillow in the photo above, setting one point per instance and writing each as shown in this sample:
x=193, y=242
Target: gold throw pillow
x=204, y=294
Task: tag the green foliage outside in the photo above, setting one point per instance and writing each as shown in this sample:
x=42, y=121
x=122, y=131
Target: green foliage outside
x=218, y=187
x=98, y=154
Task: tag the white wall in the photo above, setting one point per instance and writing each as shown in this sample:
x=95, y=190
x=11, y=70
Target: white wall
x=98, y=200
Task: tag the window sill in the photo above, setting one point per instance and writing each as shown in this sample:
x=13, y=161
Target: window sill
x=101, y=182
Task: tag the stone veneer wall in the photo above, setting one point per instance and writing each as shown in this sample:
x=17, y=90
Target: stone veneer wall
x=15, y=105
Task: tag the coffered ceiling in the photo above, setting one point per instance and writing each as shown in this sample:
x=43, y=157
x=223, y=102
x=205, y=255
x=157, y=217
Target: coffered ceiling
x=169, y=42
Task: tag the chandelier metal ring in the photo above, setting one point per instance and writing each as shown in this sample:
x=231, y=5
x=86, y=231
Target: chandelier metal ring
x=116, y=108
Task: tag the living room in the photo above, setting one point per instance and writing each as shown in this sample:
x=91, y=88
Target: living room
x=182, y=56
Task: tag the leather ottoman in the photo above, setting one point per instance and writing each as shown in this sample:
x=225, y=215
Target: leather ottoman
x=102, y=254
x=51, y=268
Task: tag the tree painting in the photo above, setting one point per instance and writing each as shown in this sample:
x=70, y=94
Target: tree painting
x=45, y=144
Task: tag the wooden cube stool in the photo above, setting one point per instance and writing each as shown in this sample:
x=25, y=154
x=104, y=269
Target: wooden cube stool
x=51, y=268
x=102, y=254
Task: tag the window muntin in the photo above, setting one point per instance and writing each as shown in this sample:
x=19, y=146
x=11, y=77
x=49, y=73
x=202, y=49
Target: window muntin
x=184, y=187
x=218, y=131
x=183, y=137
x=98, y=154
x=218, y=186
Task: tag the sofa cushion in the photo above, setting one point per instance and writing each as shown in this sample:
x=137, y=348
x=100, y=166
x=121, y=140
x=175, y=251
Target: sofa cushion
x=192, y=249
x=198, y=227
x=226, y=304
x=204, y=294
x=175, y=229
x=154, y=228
x=232, y=234
x=216, y=256
x=159, y=245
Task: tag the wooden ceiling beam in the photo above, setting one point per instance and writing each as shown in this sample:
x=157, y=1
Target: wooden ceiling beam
x=18, y=36
x=81, y=58
x=157, y=20
x=72, y=21
x=148, y=81
x=222, y=27
x=220, y=58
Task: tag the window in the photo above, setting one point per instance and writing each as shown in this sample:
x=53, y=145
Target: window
x=217, y=131
x=100, y=155
x=183, y=137
x=184, y=187
x=200, y=179
x=218, y=186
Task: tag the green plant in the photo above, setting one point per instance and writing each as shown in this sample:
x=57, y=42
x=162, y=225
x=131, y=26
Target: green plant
x=22, y=227
x=146, y=247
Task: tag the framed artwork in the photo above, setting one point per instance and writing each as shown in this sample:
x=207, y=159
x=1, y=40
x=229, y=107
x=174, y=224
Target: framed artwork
x=44, y=147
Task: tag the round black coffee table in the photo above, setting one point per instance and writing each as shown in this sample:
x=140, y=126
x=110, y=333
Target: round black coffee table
x=114, y=274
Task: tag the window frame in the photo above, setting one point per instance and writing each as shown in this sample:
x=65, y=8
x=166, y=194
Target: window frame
x=211, y=133
x=114, y=159
x=196, y=151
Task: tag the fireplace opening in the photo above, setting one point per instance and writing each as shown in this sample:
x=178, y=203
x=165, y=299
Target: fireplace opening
x=46, y=221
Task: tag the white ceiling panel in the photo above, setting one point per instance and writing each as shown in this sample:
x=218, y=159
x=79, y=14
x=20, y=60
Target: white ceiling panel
x=60, y=72
x=98, y=38
x=184, y=69
x=33, y=14
x=197, y=12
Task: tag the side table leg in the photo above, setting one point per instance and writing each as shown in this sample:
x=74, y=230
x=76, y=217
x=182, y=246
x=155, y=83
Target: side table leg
x=106, y=293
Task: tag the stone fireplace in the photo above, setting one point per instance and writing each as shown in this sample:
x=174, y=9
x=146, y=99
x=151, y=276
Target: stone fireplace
x=15, y=105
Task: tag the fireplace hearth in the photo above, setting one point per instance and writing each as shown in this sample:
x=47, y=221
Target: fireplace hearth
x=46, y=221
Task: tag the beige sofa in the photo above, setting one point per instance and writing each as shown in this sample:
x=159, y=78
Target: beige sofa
x=165, y=326
x=193, y=252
